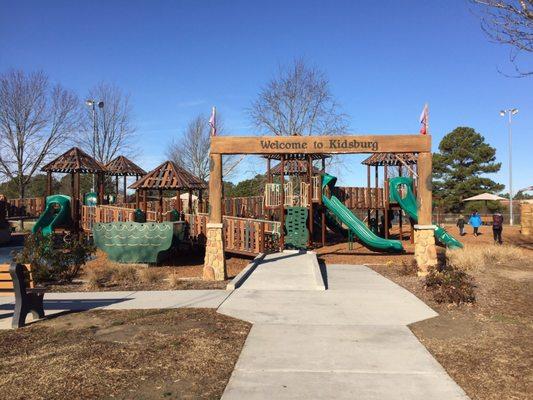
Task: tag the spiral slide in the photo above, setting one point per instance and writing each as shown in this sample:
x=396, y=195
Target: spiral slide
x=56, y=214
x=358, y=227
x=408, y=204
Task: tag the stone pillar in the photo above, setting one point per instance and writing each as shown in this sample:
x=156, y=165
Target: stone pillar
x=214, y=262
x=425, y=250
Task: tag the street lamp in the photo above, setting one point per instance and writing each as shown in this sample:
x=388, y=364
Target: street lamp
x=93, y=103
x=510, y=112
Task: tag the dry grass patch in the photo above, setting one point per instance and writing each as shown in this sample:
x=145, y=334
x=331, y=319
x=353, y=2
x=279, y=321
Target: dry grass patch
x=150, y=275
x=472, y=258
x=133, y=354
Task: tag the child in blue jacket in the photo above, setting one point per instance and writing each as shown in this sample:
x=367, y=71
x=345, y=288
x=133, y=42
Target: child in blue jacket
x=475, y=222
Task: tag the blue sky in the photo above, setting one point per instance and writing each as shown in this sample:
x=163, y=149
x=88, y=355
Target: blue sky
x=178, y=58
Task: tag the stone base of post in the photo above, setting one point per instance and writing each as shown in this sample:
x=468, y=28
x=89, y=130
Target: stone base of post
x=425, y=250
x=214, y=262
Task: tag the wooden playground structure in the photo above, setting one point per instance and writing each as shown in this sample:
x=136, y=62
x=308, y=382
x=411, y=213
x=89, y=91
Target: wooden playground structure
x=295, y=167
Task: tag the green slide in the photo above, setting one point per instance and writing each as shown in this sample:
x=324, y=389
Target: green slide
x=56, y=214
x=408, y=204
x=358, y=227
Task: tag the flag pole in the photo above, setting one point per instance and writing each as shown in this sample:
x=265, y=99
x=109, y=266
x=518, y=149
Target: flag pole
x=427, y=119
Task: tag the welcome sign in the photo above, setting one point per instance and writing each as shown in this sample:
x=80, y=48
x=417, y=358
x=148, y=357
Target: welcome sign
x=320, y=144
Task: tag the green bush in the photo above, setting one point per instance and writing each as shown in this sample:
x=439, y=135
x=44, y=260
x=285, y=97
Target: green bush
x=54, y=260
x=450, y=285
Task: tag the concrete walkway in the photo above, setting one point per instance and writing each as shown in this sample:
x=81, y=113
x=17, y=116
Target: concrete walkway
x=76, y=301
x=349, y=342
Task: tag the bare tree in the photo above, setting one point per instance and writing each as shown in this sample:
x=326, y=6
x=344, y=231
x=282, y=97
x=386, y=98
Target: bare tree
x=191, y=150
x=509, y=22
x=298, y=101
x=113, y=133
x=36, y=119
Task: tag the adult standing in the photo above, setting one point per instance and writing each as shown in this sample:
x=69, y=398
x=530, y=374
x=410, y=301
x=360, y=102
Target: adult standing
x=497, y=227
x=475, y=222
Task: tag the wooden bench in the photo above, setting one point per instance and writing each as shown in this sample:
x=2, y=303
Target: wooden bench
x=17, y=279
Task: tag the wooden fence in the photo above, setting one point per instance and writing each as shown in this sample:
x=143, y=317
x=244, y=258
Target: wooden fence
x=25, y=208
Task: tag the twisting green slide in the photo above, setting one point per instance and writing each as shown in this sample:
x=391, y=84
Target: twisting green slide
x=408, y=204
x=358, y=227
x=56, y=214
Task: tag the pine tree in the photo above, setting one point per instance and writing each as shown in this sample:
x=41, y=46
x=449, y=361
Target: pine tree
x=459, y=168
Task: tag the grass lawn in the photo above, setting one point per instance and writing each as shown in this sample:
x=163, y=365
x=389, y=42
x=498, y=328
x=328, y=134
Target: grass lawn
x=149, y=354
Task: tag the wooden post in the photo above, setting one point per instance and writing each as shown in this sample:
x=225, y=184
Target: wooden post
x=179, y=203
x=425, y=252
x=310, y=195
x=190, y=202
x=368, y=196
x=400, y=211
x=323, y=209
x=386, y=200
x=200, y=201
x=116, y=185
x=101, y=180
x=282, y=205
x=125, y=189
x=144, y=202
x=376, y=197
x=160, y=206
x=137, y=201
x=215, y=263
x=48, y=184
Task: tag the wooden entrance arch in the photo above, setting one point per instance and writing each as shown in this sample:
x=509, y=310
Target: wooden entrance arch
x=425, y=253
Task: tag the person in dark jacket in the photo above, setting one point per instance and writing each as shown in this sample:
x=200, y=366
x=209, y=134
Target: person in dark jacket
x=461, y=225
x=497, y=227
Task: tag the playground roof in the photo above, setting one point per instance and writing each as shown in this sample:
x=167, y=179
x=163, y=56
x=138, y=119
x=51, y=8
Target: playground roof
x=293, y=167
x=123, y=166
x=74, y=160
x=390, y=159
x=486, y=197
x=169, y=176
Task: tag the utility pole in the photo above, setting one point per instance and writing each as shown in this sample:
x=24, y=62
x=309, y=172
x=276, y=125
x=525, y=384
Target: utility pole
x=510, y=112
x=92, y=104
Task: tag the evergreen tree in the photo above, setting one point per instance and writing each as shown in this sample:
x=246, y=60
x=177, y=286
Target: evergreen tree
x=459, y=168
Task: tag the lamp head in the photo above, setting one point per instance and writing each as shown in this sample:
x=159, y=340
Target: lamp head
x=514, y=111
x=89, y=102
x=502, y=113
x=101, y=104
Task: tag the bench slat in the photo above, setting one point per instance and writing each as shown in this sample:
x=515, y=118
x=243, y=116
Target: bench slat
x=6, y=285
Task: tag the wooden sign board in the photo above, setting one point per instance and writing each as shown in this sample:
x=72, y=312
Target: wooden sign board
x=414, y=143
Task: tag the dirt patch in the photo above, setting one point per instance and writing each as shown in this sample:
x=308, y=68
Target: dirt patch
x=487, y=347
x=149, y=354
x=184, y=276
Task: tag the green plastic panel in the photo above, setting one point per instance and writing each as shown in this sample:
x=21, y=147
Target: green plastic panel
x=132, y=242
x=296, y=226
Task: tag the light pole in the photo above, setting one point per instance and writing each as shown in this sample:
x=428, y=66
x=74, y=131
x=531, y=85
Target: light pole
x=93, y=103
x=510, y=112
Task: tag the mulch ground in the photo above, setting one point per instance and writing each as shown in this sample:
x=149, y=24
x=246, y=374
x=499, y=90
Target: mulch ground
x=149, y=354
x=487, y=347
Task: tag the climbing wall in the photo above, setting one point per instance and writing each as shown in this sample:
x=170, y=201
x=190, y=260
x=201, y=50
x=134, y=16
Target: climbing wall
x=296, y=227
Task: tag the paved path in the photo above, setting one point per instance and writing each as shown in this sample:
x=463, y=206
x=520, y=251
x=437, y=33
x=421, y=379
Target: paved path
x=349, y=342
x=60, y=302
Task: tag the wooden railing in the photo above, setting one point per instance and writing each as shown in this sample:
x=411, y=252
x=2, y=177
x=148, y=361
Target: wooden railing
x=29, y=208
x=361, y=197
x=250, y=236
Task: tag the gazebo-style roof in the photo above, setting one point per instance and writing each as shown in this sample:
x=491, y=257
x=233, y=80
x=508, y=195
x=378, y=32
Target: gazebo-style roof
x=169, y=176
x=293, y=167
x=390, y=159
x=74, y=160
x=122, y=166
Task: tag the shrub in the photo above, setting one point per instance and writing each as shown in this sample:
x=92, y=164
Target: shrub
x=54, y=260
x=150, y=275
x=99, y=277
x=174, y=280
x=408, y=268
x=450, y=285
x=125, y=274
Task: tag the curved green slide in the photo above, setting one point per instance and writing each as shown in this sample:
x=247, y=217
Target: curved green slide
x=408, y=204
x=358, y=227
x=56, y=214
